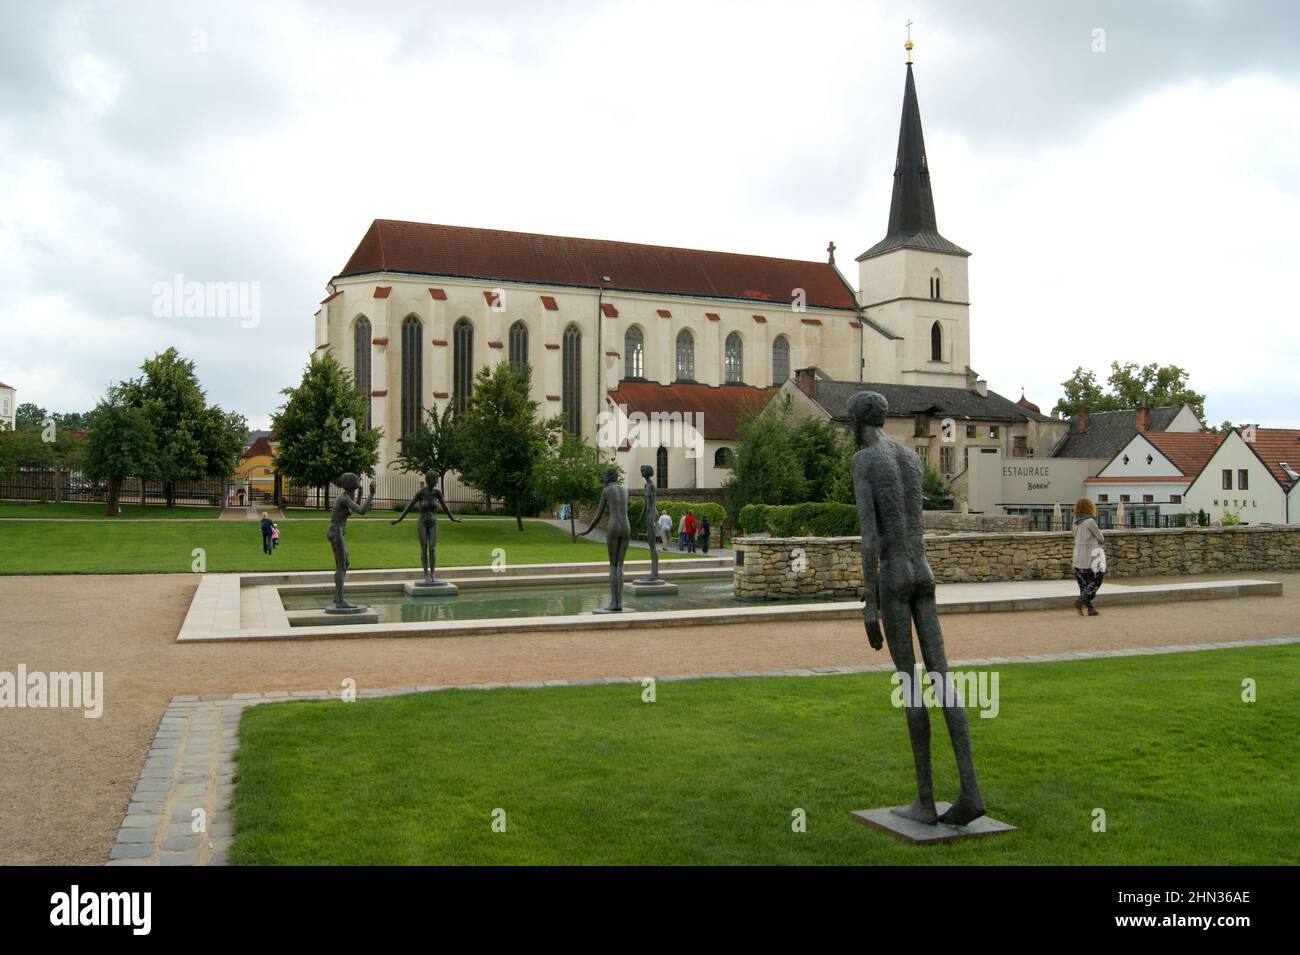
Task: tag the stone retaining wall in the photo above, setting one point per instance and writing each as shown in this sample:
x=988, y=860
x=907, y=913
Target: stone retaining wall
x=785, y=567
x=955, y=522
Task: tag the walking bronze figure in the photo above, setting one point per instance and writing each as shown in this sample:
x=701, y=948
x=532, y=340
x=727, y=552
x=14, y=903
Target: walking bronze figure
x=898, y=588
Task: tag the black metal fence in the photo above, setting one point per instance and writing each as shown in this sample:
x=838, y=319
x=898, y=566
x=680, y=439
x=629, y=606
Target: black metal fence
x=1108, y=520
x=60, y=486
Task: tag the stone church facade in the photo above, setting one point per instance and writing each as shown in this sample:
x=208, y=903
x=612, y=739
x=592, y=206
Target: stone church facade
x=419, y=308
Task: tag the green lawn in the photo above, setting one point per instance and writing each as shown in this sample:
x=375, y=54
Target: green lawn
x=83, y=512
x=134, y=547
x=709, y=774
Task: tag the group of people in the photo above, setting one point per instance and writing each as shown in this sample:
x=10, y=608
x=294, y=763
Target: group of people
x=692, y=532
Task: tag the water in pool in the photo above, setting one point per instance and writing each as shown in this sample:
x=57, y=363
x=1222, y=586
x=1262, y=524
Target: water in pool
x=393, y=606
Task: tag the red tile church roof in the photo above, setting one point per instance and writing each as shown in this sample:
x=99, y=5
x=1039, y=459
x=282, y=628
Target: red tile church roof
x=720, y=406
x=425, y=249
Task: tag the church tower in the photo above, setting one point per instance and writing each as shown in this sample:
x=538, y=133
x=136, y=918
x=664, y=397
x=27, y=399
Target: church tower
x=914, y=281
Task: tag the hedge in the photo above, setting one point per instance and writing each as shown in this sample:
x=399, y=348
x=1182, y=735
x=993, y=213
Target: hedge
x=800, y=520
x=716, y=514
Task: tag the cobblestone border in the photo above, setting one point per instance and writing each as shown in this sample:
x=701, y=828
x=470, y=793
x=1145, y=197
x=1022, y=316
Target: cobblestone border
x=191, y=761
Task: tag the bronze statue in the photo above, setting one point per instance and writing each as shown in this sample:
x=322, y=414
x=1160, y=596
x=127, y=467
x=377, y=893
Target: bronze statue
x=898, y=590
x=651, y=525
x=428, y=498
x=345, y=505
x=614, y=499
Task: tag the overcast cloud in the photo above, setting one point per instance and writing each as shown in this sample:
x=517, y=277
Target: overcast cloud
x=1137, y=204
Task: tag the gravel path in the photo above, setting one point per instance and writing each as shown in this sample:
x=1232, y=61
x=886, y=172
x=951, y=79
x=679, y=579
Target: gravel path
x=65, y=781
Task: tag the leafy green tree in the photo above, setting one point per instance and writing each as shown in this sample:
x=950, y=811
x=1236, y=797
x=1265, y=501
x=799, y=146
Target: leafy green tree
x=122, y=443
x=765, y=468
x=321, y=427
x=434, y=445
x=1131, y=386
x=841, y=489
x=935, y=493
x=570, y=472
x=195, y=440
x=29, y=415
x=502, y=440
x=816, y=444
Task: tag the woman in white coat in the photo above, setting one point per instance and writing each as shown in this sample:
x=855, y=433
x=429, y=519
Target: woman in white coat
x=1089, y=555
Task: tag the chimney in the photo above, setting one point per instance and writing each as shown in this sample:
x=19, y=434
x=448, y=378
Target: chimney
x=982, y=387
x=1081, y=420
x=1144, y=419
x=806, y=380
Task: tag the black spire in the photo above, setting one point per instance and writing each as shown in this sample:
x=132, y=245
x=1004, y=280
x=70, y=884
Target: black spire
x=911, y=210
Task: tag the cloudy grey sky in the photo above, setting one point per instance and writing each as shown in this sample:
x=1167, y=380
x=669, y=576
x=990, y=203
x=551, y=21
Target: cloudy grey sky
x=1138, y=203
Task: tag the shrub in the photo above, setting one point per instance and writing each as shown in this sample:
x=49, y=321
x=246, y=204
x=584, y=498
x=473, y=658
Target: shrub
x=800, y=520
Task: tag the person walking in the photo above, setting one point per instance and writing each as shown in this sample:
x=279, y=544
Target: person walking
x=690, y=531
x=704, y=533
x=681, y=532
x=665, y=528
x=1089, y=555
x=267, y=529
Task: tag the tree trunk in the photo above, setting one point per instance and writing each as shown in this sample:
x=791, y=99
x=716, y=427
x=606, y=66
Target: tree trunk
x=169, y=493
x=519, y=515
x=573, y=527
x=114, y=489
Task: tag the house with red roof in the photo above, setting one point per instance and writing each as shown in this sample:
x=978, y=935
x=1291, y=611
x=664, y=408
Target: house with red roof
x=1151, y=473
x=612, y=328
x=1252, y=475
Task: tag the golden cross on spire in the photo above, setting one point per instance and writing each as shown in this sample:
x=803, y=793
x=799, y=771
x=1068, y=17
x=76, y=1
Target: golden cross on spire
x=908, y=45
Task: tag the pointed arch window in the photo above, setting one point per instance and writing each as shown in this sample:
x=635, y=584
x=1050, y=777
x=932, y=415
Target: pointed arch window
x=519, y=346
x=936, y=342
x=361, y=337
x=936, y=292
x=661, y=468
x=571, y=380
x=780, y=360
x=462, y=364
x=685, y=355
x=412, y=373
x=633, y=353
x=734, y=359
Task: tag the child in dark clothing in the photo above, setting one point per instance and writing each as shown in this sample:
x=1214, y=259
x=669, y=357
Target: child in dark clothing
x=267, y=528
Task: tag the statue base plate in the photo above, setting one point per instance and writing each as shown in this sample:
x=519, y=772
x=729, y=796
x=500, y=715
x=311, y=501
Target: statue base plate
x=643, y=587
x=434, y=588
x=919, y=833
x=349, y=610
x=607, y=610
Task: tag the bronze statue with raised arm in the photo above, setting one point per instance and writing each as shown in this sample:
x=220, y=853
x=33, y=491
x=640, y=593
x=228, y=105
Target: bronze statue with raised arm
x=345, y=505
x=428, y=499
x=613, y=499
x=899, y=591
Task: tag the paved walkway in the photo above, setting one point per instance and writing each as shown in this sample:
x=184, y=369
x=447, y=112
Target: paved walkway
x=66, y=782
x=254, y=513
x=179, y=814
